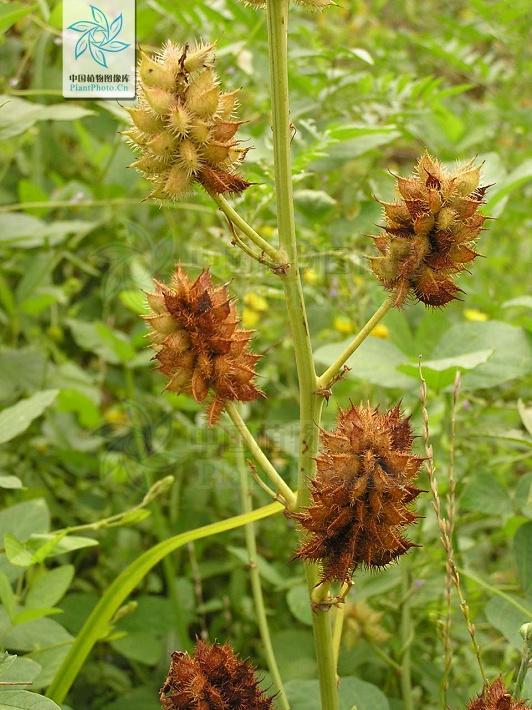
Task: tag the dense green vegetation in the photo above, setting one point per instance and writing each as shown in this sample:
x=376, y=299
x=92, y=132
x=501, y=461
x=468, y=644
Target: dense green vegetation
x=86, y=431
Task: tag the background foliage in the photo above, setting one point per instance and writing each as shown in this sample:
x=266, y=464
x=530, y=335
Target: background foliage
x=86, y=431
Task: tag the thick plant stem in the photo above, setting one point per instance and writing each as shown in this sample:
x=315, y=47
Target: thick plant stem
x=406, y=640
x=310, y=402
x=256, y=587
x=330, y=373
x=260, y=457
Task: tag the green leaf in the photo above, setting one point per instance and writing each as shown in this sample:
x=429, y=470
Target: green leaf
x=11, y=482
x=17, y=115
x=141, y=646
x=375, y=361
x=49, y=587
x=298, y=603
x=135, y=301
x=441, y=373
x=484, y=494
x=526, y=415
x=6, y=596
x=314, y=202
x=22, y=231
x=37, y=634
x=25, y=519
x=111, y=345
x=17, y=552
x=353, y=693
x=18, y=669
x=26, y=615
x=101, y=616
x=303, y=694
x=523, y=555
x=25, y=700
x=11, y=13
x=506, y=619
x=16, y=419
x=512, y=352
x=364, y=696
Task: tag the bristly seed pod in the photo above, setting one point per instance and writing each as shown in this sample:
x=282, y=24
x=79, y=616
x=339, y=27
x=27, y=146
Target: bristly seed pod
x=361, y=493
x=429, y=235
x=214, y=678
x=495, y=697
x=184, y=120
x=197, y=339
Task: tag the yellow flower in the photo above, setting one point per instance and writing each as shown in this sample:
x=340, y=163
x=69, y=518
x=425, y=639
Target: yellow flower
x=473, y=314
x=250, y=318
x=380, y=331
x=116, y=417
x=311, y=277
x=343, y=325
x=267, y=231
x=256, y=302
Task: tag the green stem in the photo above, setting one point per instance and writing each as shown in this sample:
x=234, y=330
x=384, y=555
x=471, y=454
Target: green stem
x=338, y=626
x=330, y=373
x=258, y=454
x=233, y=216
x=256, y=588
x=406, y=640
x=310, y=402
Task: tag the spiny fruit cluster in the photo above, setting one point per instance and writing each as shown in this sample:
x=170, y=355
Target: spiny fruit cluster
x=496, y=697
x=199, y=345
x=361, y=493
x=183, y=124
x=429, y=235
x=214, y=678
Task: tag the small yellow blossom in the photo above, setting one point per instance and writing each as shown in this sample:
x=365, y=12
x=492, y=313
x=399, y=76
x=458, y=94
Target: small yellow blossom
x=256, y=302
x=311, y=277
x=343, y=325
x=380, y=331
x=116, y=417
x=250, y=318
x=358, y=280
x=474, y=315
x=267, y=231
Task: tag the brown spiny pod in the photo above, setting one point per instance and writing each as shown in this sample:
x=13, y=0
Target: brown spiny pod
x=194, y=330
x=361, y=493
x=429, y=235
x=213, y=678
x=494, y=696
x=183, y=124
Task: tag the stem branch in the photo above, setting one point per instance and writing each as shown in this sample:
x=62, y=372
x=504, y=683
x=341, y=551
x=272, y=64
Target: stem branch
x=260, y=457
x=330, y=373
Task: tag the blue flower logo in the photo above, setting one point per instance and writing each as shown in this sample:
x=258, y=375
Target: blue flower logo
x=98, y=36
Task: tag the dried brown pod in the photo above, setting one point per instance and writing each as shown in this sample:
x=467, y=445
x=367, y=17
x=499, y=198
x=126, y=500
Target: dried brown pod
x=361, y=493
x=183, y=125
x=194, y=330
x=494, y=696
x=429, y=235
x=213, y=678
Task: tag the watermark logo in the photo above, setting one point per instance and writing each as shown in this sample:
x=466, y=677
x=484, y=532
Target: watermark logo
x=99, y=49
x=99, y=36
